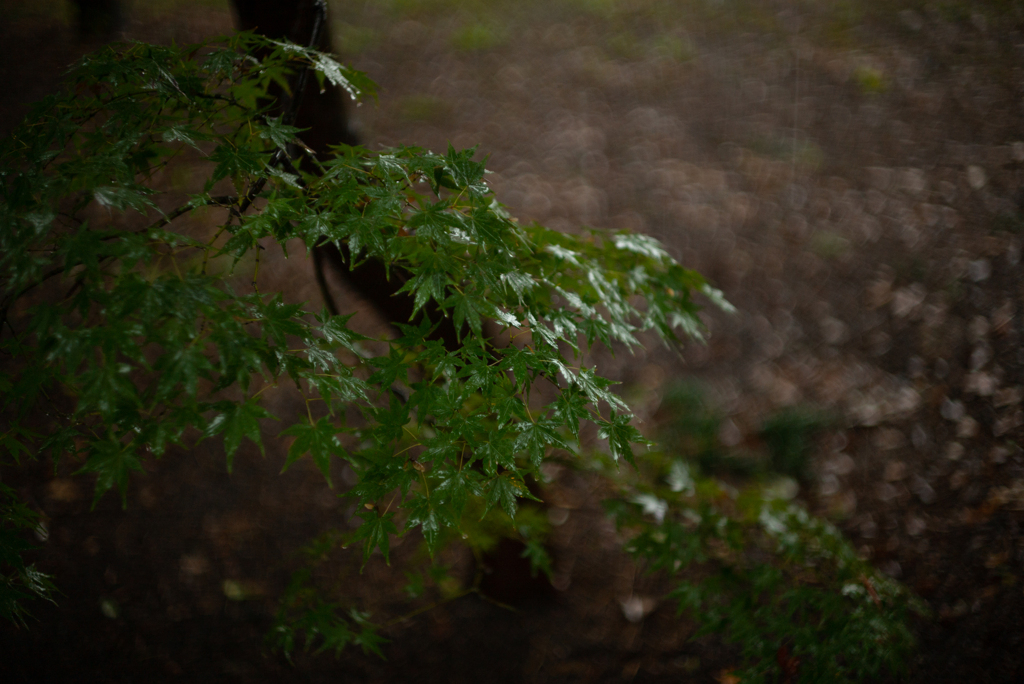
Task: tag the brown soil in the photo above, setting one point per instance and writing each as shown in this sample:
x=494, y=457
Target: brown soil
x=848, y=173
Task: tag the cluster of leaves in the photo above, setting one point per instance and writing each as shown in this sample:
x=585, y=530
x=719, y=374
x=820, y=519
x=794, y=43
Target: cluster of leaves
x=127, y=329
x=305, y=616
x=783, y=585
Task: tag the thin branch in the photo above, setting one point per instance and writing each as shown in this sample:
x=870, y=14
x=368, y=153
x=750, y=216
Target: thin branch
x=164, y=220
x=300, y=85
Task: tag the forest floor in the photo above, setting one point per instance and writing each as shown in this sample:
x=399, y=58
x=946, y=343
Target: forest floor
x=849, y=174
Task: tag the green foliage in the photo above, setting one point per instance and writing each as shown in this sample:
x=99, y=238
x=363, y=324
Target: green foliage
x=18, y=581
x=424, y=108
x=870, y=80
x=475, y=37
x=129, y=327
x=783, y=585
x=304, y=615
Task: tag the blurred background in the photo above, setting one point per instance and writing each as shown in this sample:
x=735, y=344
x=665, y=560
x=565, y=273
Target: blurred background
x=849, y=173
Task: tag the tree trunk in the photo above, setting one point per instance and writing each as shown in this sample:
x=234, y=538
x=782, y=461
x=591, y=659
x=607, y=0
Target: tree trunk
x=325, y=114
x=98, y=19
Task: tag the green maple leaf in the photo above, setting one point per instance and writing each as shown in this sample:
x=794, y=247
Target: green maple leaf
x=468, y=308
x=464, y=171
x=384, y=475
x=570, y=409
x=157, y=434
x=518, y=282
x=538, y=556
x=620, y=435
x=354, y=82
x=433, y=223
x=429, y=282
x=414, y=335
x=498, y=450
x=454, y=487
x=487, y=226
x=184, y=365
x=641, y=244
x=277, y=215
x=320, y=358
x=280, y=320
x=277, y=132
x=440, y=448
x=509, y=406
x=375, y=530
x=338, y=388
x=315, y=225
x=367, y=231
x=107, y=388
x=424, y=514
x=319, y=440
x=336, y=331
x=237, y=421
x=367, y=637
x=389, y=421
x=504, y=490
x=184, y=133
x=541, y=333
x=11, y=445
x=476, y=374
x=519, y=362
x=123, y=197
x=113, y=462
x=595, y=387
x=535, y=437
x=231, y=161
x=390, y=368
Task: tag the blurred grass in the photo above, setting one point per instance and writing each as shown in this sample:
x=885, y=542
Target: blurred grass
x=829, y=245
x=474, y=37
x=870, y=80
x=805, y=153
x=424, y=108
x=352, y=39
